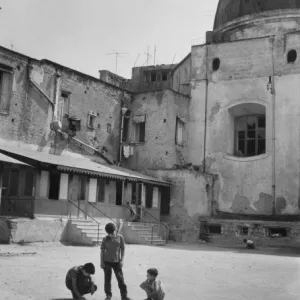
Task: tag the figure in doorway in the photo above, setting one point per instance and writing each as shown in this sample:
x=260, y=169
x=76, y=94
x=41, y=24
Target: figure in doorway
x=133, y=213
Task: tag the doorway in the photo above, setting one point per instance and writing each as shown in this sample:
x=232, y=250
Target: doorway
x=119, y=193
x=165, y=201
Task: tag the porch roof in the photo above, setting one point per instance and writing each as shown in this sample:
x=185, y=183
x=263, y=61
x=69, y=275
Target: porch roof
x=7, y=159
x=80, y=164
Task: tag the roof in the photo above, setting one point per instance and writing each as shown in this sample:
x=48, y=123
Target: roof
x=79, y=164
x=229, y=10
x=7, y=159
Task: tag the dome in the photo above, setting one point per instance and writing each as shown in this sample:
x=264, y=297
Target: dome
x=229, y=10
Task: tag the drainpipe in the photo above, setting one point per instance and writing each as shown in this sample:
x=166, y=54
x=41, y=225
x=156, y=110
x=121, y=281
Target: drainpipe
x=123, y=112
x=57, y=88
x=205, y=120
x=272, y=91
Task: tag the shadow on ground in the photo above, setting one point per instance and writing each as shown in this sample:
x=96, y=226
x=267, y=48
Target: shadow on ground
x=289, y=252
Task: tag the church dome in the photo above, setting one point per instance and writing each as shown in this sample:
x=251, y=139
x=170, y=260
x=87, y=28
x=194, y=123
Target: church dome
x=229, y=10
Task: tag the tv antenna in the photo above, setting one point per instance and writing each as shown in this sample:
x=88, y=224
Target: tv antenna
x=148, y=55
x=117, y=54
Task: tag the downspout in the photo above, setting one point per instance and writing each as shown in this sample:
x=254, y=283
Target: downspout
x=205, y=120
x=273, y=131
x=57, y=88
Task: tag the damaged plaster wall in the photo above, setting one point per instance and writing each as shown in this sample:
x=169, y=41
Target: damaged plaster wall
x=161, y=110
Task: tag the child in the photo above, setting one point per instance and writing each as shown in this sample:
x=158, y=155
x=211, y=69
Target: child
x=112, y=257
x=249, y=244
x=152, y=286
x=79, y=281
x=132, y=212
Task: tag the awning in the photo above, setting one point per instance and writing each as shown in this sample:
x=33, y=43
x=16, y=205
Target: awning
x=79, y=164
x=7, y=159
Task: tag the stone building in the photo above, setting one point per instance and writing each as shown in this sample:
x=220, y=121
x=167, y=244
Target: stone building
x=223, y=127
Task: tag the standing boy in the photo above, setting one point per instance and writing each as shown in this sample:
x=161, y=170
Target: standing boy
x=152, y=286
x=79, y=281
x=112, y=258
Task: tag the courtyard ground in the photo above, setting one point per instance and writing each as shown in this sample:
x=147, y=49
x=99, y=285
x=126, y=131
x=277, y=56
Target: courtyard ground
x=198, y=271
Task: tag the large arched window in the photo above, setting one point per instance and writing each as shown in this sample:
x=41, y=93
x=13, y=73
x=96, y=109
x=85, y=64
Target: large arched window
x=250, y=135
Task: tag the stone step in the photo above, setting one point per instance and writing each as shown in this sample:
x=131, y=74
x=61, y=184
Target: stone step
x=91, y=230
x=88, y=226
x=94, y=235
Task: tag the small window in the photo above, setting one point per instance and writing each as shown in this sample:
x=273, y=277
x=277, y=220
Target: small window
x=291, y=56
x=250, y=135
x=54, y=185
x=91, y=120
x=179, y=131
x=108, y=128
x=63, y=105
x=215, y=229
x=277, y=232
x=243, y=230
x=101, y=190
x=5, y=91
x=153, y=76
x=216, y=64
x=139, y=132
x=164, y=76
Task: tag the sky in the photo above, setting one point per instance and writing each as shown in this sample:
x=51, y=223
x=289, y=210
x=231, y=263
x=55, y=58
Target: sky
x=79, y=34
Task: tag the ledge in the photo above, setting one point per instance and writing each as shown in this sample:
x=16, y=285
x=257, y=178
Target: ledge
x=245, y=159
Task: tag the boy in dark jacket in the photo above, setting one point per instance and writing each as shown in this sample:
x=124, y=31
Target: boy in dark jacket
x=79, y=281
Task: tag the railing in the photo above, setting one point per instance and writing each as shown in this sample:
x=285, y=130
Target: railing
x=87, y=215
x=117, y=224
x=167, y=230
x=153, y=225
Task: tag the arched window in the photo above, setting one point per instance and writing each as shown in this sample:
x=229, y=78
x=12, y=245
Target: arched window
x=250, y=135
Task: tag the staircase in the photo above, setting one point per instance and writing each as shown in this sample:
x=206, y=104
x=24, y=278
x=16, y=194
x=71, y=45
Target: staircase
x=141, y=233
x=85, y=232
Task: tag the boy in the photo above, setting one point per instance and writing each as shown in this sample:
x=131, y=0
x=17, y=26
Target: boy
x=132, y=212
x=152, y=286
x=79, y=282
x=112, y=257
x=249, y=244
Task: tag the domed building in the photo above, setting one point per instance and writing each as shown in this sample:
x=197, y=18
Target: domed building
x=242, y=129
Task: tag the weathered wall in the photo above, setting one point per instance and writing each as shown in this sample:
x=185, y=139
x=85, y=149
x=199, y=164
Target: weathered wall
x=244, y=185
x=181, y=76
x=161, y=110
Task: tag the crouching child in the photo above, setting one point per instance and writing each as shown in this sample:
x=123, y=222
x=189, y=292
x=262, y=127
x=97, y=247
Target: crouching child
x=79, y=281
x=153, y=286
x=249, y=244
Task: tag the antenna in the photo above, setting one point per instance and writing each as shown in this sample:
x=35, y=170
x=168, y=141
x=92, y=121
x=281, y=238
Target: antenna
x=136, y=60
x=117, y=54
x=148, y=55
x=174, y=58
x=154, y=54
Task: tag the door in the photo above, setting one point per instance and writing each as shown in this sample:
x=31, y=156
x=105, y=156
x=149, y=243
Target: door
x=17, y=192
x=165, y=201
x=119, y=192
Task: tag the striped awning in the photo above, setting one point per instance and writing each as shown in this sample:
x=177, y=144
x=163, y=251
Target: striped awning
x=7, y=159
x=75, y=163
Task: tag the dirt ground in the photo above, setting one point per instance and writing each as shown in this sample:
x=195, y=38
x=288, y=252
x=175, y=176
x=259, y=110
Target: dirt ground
x=199, y=271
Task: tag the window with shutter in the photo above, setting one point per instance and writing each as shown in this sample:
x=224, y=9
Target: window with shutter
x=179, y=132
x=5, y=87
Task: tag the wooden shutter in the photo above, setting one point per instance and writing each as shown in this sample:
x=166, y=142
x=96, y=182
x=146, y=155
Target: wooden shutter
x=5, y=92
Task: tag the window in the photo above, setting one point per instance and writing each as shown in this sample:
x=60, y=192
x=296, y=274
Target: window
x=216, y=64
x=215, y=229
x=139, y=129
x=250, y=135
x=63, y=105
x=243, y=230
x=179, y=131
x=153, y=76
x=147, y=76
x=54, y=185
x=291, y=56
x=14, y=182
x=28, y=184
x=164, y=76
x=126, y=126
x=108, y=129
x=91, y=120
x=5, y=89
x=277, y=232
x=101, y=190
